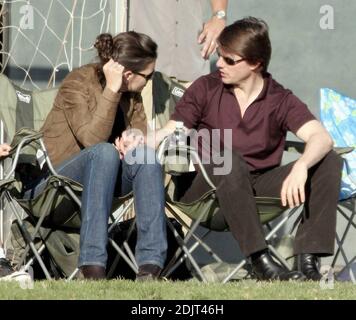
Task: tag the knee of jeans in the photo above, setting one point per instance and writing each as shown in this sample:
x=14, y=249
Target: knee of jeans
x=142, y=155
x=151, y=155
x=106, y=151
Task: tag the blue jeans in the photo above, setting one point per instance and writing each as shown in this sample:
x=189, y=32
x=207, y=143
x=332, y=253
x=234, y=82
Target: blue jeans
x=97, y=169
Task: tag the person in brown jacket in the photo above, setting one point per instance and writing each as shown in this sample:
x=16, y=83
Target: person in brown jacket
x=96, y=123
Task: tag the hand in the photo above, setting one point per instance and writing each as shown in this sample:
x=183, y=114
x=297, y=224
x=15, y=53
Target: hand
x=4, y=149
x=293, y=186
x=129, y=140
x=113, y=72
x=152, y=139
x=212, y=29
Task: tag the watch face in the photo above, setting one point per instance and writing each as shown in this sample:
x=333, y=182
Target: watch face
x=220, y=14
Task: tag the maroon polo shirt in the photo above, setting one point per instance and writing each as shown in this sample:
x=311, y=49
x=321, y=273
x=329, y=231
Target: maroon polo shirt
x=260, y=135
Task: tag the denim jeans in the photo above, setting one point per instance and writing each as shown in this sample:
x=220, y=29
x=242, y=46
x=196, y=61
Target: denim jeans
x=98, y=168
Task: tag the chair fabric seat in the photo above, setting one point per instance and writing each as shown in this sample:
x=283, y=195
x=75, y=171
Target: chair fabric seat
x=207, y=206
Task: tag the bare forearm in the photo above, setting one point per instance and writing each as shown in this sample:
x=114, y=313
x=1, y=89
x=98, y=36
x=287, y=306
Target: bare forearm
x=165, y=131
x=316, y=149
x=217, y=5
x=154, y=138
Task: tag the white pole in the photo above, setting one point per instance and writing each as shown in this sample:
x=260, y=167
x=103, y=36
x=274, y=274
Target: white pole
x=119, y=16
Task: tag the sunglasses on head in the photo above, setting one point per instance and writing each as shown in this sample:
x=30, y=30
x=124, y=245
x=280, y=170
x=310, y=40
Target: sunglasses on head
x=146, y=76
x=229, y=61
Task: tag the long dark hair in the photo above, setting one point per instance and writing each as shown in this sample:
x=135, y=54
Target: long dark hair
x=249, y=39
x=135, y=51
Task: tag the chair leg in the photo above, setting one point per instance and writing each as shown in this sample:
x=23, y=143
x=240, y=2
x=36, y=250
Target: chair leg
x=27, y=236
x=133, y=265
x=175, y=262
x=349, y=266
x=31, y=260
x=123, y=255
x=281, y=259
x=74, y=273
x=340, y=242
x=341, y=251
x=129, y=258
x=186, y=251
x=39, y=224
x=233, y=272
x=198, y=239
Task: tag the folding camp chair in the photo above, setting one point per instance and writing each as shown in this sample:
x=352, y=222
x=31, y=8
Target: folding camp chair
x=337, y=113
x=203, y=210
x=26, y=141
x=55, y=210
x=20, y=108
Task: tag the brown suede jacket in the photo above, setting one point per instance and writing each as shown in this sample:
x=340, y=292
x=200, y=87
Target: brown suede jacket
x=84, y=114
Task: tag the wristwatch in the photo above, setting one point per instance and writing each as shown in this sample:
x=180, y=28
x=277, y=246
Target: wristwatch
x=221, y=14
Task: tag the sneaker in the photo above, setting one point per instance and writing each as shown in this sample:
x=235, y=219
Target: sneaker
x=148, y=272
x=22, y=277
x=5, y=267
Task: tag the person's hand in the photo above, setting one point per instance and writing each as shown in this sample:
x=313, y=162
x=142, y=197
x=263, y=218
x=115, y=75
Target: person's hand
x=4, y=149
x=129, y=140
x=113, y=72
x=212, y=29
x=293, y=187
x=152, y=139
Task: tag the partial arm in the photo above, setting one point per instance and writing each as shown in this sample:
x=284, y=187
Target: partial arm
x=153, y=139
x=212, y=28
x=4, y=150
x=92, y=124
x=318, y=144
x=188, y=110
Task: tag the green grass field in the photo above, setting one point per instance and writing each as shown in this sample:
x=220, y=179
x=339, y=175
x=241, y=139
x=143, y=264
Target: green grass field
x=188, y=290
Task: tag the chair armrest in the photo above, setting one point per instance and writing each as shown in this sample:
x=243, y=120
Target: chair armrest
x=343, y=150
x=297, y=146
x=27, y=134
x=294, y=146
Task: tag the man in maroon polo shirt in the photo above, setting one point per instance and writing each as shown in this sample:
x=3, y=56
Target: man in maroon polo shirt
x=243, y=98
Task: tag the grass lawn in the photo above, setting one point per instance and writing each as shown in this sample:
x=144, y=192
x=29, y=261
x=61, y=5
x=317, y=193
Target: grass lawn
x=188, y=290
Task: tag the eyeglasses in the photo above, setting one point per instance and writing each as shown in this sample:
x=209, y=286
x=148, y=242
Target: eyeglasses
x=146, y=76
x=229, y=61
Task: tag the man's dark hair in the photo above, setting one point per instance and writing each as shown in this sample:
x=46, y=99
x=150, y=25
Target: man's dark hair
x=249, y=39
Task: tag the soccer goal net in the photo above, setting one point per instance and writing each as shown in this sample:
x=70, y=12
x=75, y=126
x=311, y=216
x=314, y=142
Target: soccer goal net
x=42, y=40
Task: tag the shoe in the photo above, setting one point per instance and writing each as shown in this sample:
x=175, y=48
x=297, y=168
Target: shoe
x=307, y=263
x=5, y=267
x=148, y=272
x=93, y=272
x=22, y=277
x=265, y=268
